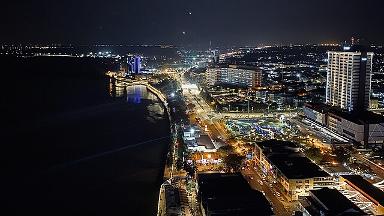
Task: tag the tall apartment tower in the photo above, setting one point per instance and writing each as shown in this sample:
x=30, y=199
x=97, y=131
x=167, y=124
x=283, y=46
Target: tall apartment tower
x=349, y=78
x=134, y=64
x=137, y=65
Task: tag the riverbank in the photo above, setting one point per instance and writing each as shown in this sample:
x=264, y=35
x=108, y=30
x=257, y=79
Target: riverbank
x=168, y=171
x=169, y=93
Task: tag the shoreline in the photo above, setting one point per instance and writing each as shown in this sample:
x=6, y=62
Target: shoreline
x=166, y=171
x=162, y=98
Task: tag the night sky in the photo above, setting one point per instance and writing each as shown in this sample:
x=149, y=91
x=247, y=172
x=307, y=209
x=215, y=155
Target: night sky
x=190, y=22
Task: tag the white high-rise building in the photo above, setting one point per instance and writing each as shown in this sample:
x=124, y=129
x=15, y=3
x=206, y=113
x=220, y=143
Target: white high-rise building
x=349, y=79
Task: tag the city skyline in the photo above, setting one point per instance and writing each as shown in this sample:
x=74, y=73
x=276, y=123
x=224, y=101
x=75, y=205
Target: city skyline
x=197, y=23
x=193, y=108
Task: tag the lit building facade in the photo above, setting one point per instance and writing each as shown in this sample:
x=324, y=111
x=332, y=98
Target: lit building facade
x=134, y=64
x=292, y=172
x=233, y=75
x=137, y=65
x=349, y=79
x=364, y=127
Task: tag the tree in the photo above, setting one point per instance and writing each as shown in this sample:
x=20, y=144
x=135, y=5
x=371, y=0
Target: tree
x=190, y=168
x=273, y=106
x=179, y=164
x=314, y=154
x=233, y=162
x=342, y=154
x=327, y=158
x=225, y=150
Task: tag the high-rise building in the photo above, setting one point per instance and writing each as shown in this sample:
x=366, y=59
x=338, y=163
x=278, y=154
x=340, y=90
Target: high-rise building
x=129, y=64
x=137, y=65
x=348, y=98
x=349, y=78
x=134, y=64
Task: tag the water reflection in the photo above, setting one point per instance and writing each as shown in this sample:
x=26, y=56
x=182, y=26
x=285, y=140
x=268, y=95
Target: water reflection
x=133, y=94
x=136, y=93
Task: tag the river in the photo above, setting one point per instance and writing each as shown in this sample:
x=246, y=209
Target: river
x=73, y=144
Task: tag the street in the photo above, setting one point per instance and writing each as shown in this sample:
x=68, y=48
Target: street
x=279, y=204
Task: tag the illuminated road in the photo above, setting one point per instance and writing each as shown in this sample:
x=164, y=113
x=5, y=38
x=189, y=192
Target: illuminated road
x=204, y=112
x=313, y=134
x=377, y=169
x=214, y=122
x=270, y=193
x=234, y=115
x=317, y=134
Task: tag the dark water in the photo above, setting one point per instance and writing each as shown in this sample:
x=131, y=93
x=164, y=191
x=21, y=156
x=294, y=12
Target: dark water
x=70, y=148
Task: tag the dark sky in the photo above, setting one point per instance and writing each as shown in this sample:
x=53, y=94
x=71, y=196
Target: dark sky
x=224, y=22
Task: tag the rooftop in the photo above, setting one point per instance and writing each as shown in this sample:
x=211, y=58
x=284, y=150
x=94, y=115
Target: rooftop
x=230, y=194
x=242, y=67
x=333, y=202
x=278, y=146
x=296, y=166
x=360, y=117
x=205, y=140
x=321, y=108
x=358, y=182
x=289, y=160
x=172, y=200
x=356, y=117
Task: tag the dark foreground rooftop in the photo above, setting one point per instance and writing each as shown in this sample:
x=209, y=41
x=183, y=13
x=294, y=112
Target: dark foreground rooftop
x=230, y=194
x=330, y=202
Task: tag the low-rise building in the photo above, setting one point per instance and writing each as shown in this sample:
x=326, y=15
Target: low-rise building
x=169, y=203
x=328, y=202
x=365, y=127
x=316, y=112
x=295, y=174
x=204, y=144
x=369, y=191
x=191, y=132
x=195, y=140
